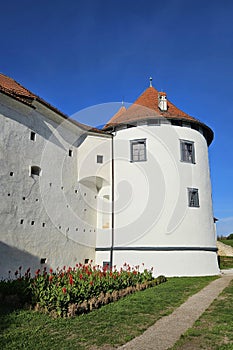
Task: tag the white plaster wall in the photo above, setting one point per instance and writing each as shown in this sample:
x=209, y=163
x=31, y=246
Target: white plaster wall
x=151, y=200
x=62, y=210
x=169, y=264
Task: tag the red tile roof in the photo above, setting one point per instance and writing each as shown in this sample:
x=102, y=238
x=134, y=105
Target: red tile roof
x=146, y=107
x=12, y=88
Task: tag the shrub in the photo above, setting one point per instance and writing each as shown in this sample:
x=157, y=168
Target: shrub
x=70, y=291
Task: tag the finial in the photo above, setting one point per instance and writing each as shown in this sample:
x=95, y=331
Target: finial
x=122, y=102
x=151, y=82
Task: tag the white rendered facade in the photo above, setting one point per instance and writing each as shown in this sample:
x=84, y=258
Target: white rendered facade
x=154, y=223
x=72, y=195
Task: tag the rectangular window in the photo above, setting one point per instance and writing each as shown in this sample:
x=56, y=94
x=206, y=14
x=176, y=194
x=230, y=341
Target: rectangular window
x=33, y=136
x=70, y=153
x=187, y=151
x=106, y=265
x=138, y=150
x=99, y=159
x=193, y=197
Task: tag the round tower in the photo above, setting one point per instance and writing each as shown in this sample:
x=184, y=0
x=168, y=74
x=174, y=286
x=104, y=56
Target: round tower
x=163, y=213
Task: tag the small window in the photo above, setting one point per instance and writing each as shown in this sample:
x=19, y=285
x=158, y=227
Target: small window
x=138, y=150
x=11, y=173
x=193, y=197
x=99, y=159
x=33, y=136
x=86, y=261
x=187, y=151
x=70, y=153
x=43, y=224
x=106, y=265
x=43, y=260
x=21, y=221
x=32, y=222
x=35, y=170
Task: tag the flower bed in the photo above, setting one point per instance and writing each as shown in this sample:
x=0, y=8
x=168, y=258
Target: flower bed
x=70, y=291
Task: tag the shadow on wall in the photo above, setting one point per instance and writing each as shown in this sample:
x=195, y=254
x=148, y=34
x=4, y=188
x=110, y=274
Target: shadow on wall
x=12, y=258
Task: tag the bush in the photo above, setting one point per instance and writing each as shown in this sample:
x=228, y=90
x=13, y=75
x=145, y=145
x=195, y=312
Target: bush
x=69, y=291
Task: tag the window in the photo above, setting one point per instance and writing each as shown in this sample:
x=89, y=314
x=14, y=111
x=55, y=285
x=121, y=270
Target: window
x=35, y=170
x=106, y=265
x=138, y=150
x=70, y=153
x=193, y=197
x=33, y=136
x=99, y=159
x=187, y=151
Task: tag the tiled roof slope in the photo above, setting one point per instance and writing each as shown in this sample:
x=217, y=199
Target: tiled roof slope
x=12, y=88
x=147, y=107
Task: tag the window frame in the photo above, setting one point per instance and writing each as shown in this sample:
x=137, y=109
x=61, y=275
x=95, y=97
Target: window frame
x=182, y=153
x=196, y=199
x=136, y=142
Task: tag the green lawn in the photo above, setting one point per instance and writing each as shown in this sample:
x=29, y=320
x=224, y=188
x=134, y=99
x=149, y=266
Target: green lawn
x=226, y=262
x=214, y=328
x=113, y=324
x=227, y=241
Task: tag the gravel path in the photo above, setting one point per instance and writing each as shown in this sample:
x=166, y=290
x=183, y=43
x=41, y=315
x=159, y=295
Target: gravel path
x=166, y=331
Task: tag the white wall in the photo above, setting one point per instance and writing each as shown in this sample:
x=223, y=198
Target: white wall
x=151, y=200
x=52, y=216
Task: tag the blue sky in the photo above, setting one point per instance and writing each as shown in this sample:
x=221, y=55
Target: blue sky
x=76, y=54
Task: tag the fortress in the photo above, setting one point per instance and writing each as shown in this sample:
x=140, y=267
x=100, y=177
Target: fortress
x=137, y=191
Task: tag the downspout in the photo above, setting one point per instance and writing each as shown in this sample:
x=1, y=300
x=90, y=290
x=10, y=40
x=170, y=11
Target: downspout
x=113, y=209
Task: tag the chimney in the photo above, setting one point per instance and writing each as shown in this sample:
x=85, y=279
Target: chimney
x=162, y=101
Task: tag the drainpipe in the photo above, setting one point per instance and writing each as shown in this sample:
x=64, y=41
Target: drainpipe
x=113, y=209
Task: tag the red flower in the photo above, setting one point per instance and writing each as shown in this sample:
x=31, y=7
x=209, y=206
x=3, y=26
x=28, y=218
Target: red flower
x=37, y=272
x=50, y=278
x=51, y=270
x=71, y=281
x=81, y=276
x=91, y=283
x=64, y=290
x=16, y=272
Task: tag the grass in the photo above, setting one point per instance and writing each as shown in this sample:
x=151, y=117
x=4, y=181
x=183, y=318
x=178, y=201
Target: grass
x=113, y=324
x=213, y=330
x=227, y=241
x=226, y=262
